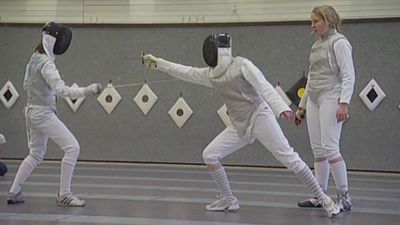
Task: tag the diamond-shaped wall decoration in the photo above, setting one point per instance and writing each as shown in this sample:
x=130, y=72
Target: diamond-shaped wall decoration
x=109, y=98
x=74, y=103
x=296, y=91
x=283, y=95
x=223, y=115
x=145, y=99
x=372, y=95
x=180, y=112
x=8, y=95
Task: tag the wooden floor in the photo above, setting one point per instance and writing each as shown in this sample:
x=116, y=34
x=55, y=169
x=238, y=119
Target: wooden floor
x=148, y=194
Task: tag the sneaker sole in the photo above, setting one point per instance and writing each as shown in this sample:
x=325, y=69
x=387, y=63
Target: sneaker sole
x=345, y=209
x=62, y=205
x=232, y=207
x=308, y=205
x=10, y=202
x=66, y=205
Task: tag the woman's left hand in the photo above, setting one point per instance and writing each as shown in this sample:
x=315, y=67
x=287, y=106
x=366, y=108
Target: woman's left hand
x=287, y=115
x=343, y=112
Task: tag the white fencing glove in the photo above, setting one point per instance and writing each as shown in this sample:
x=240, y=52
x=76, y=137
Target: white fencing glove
x=150, y=61
x=299, y=115
x=92, y=89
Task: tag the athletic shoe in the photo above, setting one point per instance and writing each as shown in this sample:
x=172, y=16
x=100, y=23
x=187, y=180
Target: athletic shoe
x=310, y=203
x=69, y=200
x=330, y=207
x=15, y=198
x=344, y=200
x=223, y=204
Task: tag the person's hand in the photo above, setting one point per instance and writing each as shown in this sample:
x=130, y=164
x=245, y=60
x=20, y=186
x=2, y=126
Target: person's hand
x=150, y=61
x=92, y=89
x=299, y=116
x=286, y=114
x=343, y=112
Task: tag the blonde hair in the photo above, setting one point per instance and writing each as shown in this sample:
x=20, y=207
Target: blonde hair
x=329, y=15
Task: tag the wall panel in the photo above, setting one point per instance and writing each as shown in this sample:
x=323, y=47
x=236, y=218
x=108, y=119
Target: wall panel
x=370, y=140
x=188, y=12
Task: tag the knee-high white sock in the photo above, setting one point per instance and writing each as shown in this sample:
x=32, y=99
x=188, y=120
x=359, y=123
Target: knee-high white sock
x=306, y=177
x=221, y=180
x=67, y=171
x=321, y=170
x=339, y=173
x=24, y=171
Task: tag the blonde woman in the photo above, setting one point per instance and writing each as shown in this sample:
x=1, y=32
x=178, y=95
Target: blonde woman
x=326, y=100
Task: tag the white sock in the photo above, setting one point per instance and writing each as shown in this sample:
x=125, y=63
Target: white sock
x=24, y=171
x=67, y=171
x=307, y=178
x=339, y=173
x=221, y=180
x=321, y=170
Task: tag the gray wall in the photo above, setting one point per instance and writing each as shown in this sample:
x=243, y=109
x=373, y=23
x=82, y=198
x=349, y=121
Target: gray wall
x=370, y=140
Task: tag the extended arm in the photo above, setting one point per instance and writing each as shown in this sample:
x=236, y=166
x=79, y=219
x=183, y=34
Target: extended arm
x=52, y=77
x=187, y=73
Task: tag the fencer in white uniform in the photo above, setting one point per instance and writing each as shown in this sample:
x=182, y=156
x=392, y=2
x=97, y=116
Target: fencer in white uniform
x=252, y=104
x=326, y=99
x=43, y=85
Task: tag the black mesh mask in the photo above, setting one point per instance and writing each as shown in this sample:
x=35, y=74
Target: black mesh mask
x=63, y=35
x=211, y=45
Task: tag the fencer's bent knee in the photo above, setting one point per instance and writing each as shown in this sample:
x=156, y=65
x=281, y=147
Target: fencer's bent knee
x=71, y=154
x=210, y=157
x=75, y=148
x=34, y=159
x=295, y=164
x=289, y=158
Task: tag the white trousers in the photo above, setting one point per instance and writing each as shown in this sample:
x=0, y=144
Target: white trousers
x=323, y=128
x=267, y=130
x=42, y=123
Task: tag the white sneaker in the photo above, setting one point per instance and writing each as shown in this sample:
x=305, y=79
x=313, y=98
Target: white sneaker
x=69, y=200
x=15, y=198
x=330, y=207
x=223, y=204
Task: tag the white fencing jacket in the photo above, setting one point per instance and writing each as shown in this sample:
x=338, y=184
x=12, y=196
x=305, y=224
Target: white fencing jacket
x=242, y=86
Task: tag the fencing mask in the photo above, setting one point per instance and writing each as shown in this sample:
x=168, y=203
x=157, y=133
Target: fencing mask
x=211, y=44
x=62, y=35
